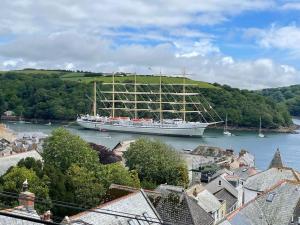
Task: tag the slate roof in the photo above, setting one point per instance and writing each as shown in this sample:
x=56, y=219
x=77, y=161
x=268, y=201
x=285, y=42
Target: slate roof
x=228, y=197
x=276, y=206
x=268, y=178
x=208, y=201
x=276, y=161
x=177, y=208
x=180, y=210
x=11, y=160
x=244, y=172
x=20, y=210
x=135, y=203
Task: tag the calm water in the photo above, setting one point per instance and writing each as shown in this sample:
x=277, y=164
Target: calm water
x=262, y=148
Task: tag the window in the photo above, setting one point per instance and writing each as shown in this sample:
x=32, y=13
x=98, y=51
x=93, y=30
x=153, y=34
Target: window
x=270, y=197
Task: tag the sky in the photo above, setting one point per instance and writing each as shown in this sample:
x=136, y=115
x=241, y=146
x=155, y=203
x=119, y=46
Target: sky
x=249, y=44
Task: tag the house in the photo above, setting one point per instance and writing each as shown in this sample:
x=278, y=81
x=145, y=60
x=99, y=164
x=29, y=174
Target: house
x=245, y=159
x=264, y=180
x=278, y=205
x=231, y=184
x=213, y=205
x=243, y=173
x=228, y=199
x=10, y=160
x=25, y=209
x=176, y=207
x=132, y=208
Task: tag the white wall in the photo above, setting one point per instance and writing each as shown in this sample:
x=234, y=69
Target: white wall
x=249, y=195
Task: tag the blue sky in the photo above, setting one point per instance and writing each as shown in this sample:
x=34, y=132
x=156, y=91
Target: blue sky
x=247, y=44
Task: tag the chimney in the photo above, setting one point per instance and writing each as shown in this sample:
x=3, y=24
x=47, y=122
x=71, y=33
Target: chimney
x=47, y=216
x=66, y=221
x=26, y=198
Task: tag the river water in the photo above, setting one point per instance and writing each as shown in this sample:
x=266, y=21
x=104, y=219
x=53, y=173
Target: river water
x=262, y=148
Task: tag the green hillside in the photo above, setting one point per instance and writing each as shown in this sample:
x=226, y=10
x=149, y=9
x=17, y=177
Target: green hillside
x=287, y=96
x=61, y=95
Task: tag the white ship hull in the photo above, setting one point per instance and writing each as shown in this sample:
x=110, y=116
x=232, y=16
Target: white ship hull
x=196, y=130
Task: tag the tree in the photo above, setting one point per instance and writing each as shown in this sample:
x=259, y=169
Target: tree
x=86, y=188
x=31, y=163
x=116, y=173
x=13, y=180
x=156, y=163
x=62, y=149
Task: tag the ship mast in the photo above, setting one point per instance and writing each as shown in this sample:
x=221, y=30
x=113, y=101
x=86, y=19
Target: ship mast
x=94, y=103
x=183, y=91
x=113, y=95
x=135, y=98
x=160, y=101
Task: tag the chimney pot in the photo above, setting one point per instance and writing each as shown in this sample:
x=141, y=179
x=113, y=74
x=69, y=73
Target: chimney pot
x=26, y=198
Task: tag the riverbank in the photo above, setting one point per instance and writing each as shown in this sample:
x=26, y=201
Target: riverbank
x=288, y=130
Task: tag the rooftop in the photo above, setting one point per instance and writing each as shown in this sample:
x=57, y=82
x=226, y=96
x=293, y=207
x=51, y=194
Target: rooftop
x=231, y=200
x=276, y=161
x=275, y=206
x=208, y=201
x=126, y=210
x=244, y=172
x=268, y=178
x=11, y=160
x=20, y=210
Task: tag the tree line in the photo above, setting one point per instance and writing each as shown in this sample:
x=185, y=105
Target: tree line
x=48, y=97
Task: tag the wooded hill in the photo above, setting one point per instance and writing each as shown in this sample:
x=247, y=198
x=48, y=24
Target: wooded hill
x=286, y=96
x=61, y=95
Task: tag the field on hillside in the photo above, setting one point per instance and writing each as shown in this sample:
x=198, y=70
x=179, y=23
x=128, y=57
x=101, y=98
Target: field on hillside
x=146, y=79
x=90, y=77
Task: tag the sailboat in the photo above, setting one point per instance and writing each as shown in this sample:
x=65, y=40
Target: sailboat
x=226, y=132
x=158, y=100
x=260, y=134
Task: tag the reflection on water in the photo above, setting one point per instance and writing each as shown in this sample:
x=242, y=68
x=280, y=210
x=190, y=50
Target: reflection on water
x=262, y=148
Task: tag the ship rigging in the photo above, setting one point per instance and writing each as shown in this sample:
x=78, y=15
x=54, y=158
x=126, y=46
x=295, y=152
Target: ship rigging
x=176, y=109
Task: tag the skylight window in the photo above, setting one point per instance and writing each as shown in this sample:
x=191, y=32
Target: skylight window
x=270, y=197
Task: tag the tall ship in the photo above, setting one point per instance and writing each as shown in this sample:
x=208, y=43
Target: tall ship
x=161, y=108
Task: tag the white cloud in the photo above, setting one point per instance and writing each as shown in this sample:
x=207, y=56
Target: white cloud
x=73, y=51
x=284, y=38
x=87, y=15
x=202, y=47
x=291, y=6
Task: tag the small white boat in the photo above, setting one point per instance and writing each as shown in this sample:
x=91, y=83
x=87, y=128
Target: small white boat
x=226, y=132
x=48, y=124
x=260, y=134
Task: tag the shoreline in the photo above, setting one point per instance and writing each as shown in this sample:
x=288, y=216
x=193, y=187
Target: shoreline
x=291, y=130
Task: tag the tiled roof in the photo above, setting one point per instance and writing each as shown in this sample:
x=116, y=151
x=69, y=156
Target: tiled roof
x=228, y=197
x=131, y=205
x=244, y=172
x=7, y=161
x=177, y=208
x=208, y=201
x=268, y=178
x=20, y=210
x=275, y=206
x=182, y=209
